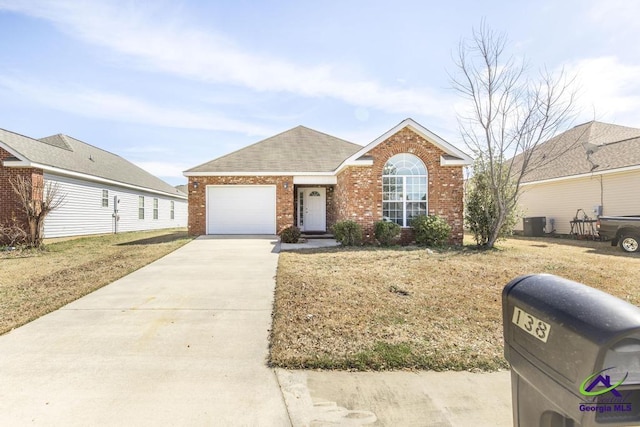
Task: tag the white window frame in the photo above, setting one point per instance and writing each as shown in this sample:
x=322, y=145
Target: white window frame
x=172, y=210
x=140, y=207
x=403, y=178
x=155, y=208
x=105, y=198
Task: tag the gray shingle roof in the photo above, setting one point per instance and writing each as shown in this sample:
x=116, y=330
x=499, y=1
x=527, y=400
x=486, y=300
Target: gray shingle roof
x=70, y=154
x=609, y=147
x=297, y=150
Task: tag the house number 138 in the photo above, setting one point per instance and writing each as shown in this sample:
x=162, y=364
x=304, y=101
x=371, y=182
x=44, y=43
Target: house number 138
x=531, y=324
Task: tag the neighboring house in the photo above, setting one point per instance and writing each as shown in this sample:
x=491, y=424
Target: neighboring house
x=594, y=167
x=310, y=179
x=103, y=193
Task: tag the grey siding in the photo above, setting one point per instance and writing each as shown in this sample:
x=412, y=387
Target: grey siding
x=82, y=211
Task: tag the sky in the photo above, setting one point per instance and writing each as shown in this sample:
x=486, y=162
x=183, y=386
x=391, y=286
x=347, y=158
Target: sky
x=169, y=85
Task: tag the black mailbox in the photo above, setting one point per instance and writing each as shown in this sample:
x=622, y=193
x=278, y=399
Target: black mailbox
x=574, y=353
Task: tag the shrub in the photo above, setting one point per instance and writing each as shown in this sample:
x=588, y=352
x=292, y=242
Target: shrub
x=12, y=233
x=386, y=232
x=348, y=232
x=481, y=210
x=290, y=234
x=431, y=230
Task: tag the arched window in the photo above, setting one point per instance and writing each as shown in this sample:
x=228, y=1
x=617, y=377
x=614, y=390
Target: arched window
x=404, y=189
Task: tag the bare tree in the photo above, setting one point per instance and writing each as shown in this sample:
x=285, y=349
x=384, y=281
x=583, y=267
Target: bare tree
x=508, y=115
x=37, y=200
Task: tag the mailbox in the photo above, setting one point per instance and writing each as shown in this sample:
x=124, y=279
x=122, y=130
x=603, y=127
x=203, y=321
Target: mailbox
x=574, y=353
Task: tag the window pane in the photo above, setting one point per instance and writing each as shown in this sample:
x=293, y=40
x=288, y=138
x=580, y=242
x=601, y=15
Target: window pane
x=414, y=209
x=392, y=188
x=392, y=211
x=416, y=188
x=140, y=207
x=404, y=164
x=404, y=188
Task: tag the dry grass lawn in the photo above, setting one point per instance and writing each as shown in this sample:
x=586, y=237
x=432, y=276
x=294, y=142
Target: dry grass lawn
x=403, y=308
x=34, y=283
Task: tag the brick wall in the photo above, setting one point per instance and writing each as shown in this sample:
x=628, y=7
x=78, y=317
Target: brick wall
x=359, y=189
x=9, y=203
x=355, y=198
x=198, y=200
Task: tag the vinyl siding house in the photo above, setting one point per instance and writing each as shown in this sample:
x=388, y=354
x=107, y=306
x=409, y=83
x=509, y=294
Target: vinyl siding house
x=594, y=167
x=103, y=193
x=309, y=179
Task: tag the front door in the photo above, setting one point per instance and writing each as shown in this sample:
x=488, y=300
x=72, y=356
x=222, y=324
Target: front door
x=312, y=205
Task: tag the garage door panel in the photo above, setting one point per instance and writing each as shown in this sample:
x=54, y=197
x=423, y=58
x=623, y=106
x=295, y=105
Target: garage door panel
x=238, y=209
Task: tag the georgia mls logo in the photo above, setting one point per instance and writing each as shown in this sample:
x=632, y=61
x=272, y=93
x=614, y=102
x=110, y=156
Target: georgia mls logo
x=605, y=381
x=616, y=402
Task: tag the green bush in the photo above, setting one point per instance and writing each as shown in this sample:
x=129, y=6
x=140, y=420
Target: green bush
x=348, y=232
x=386, y=232
x=431, y=230
x=481, y=210
x=290, y=235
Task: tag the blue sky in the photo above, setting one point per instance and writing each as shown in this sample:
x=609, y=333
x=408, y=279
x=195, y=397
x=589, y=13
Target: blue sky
x=172, y=84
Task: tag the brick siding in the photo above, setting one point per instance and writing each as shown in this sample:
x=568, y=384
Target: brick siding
x=9, y=202
x=355, y=197
x=359, y=193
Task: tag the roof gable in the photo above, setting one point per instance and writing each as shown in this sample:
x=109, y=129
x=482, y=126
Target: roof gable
x=591, y=147
x=453, y=156
x=58, y=140
x=297, y=150
x=62, y=153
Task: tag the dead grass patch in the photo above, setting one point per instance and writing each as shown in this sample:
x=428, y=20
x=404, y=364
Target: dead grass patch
x=403, y=308
x=34, y=283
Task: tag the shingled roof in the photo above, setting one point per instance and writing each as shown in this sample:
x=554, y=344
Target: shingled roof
x=70, y=154
x=297, y=150
x=586, y=148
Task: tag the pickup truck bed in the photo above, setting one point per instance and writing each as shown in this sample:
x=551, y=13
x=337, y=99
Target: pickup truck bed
x=622, y=230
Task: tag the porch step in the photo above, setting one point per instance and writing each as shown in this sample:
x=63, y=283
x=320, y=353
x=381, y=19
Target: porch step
x=317, y=236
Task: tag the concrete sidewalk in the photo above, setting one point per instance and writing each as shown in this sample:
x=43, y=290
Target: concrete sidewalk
x=184, y=342
x=422, y=398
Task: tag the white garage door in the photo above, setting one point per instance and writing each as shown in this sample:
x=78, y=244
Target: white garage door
x=241, y=209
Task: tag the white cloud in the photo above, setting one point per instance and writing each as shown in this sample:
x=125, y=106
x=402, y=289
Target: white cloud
x=614, y=13
x=608, y=89
x=159, y=40
x=113, y=106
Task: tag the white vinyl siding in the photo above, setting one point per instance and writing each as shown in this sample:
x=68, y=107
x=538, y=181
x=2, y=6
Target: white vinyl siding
x=561, y=199
x=80, y=214
x=241, y=209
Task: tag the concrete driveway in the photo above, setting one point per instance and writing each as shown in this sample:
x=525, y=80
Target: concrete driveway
x=184, y=342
